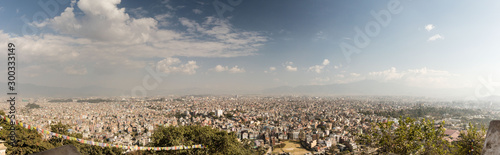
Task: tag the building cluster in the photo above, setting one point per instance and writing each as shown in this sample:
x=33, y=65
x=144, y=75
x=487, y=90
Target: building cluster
x=318, y=123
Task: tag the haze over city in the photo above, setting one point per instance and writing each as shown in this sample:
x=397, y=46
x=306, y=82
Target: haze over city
x=421, y=47
x=249, y=77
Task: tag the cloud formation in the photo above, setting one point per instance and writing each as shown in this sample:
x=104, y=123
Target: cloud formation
x=326, y=62
x=429, y=27
x=288, y=66
x=174, y=65
x=235, y=69
x=291, y=68
x=422, y=77
x=435, y=37
x=105, y=34
x=271, y=69
x=319, y=68
x=197, y=11
x=72, y=70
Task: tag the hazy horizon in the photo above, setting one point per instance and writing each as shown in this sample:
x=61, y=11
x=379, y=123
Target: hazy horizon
x=447, y=48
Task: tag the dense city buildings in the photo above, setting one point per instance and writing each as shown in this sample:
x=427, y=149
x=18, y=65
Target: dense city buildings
x=319, y=124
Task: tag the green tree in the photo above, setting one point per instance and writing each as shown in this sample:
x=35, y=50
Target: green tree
x=473, y=138
x=32, y=106
x=411, y=137
x=229, y=115
x=28, y=141
x=385, y=136
x=434, y=142
x=302, y=135
x=60, y=128
x=215, y=141
x=84, y=149
x=368, y=138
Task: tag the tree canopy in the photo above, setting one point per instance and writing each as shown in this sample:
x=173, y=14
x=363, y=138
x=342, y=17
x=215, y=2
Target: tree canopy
x=409, y=137
x=82, y=148
x=471, y=139
x=421, y=137
x=30, y=141
x=215, y=141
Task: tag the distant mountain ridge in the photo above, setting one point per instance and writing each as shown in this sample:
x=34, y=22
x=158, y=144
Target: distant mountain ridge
x=32, y=90
x=366, y=87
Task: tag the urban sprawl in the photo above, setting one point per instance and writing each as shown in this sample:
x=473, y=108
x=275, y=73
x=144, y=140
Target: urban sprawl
x=316, y=123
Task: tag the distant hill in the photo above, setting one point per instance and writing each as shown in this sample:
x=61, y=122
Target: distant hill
x=366, y=87
x=31, y=90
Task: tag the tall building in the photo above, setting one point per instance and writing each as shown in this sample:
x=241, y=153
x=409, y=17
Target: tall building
x=219, y=113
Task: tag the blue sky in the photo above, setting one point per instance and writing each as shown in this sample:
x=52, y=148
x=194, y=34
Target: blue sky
x=252, y=45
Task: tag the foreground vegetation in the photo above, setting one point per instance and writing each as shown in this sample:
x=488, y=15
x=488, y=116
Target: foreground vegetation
x=421, y=137
x=30, y=141
x=410, y=137
x=215, y=141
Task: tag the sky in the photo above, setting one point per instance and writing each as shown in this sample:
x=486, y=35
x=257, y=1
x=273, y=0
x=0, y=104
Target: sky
x=253, y=45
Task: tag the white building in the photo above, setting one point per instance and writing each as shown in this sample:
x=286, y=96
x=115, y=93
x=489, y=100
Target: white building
x=219, y=113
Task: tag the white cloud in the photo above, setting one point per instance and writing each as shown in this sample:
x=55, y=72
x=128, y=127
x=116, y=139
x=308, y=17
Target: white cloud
x=106, y=35
x=422, y=77
x=319, y=68
x=429, y=27
x=235, y=69
x=386, y=75
x=271, y=69
x=139, y=12
x=431, y=78
x=165, y=2
x=173, y=65
x=291, y=68
x=163, y=19
x=316, y=68
x=347, y=78
x=326, y=62
x=221, y=31
x=337, y=66
x=288, y=66
x=104, y=23
x=72, y=70
x=419, y=77
x=220, y=68
x=197, y=11
x=435, y=37
x=55, y=48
